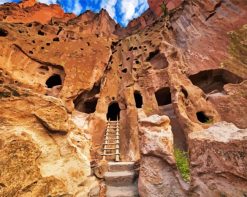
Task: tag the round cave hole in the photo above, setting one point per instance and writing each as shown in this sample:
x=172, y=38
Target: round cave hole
x=54, y=80
x=3, y=32
x=113, y=112
x=203, y=118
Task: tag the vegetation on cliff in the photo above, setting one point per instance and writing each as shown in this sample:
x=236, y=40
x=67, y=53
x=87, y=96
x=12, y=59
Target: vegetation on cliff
x=182, y=164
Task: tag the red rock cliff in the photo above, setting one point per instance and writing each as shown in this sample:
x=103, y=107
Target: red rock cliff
x=173, y=82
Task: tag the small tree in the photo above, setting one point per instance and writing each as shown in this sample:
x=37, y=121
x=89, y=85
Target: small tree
x=164, y=9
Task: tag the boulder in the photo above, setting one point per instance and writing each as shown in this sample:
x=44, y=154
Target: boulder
x=158, y=174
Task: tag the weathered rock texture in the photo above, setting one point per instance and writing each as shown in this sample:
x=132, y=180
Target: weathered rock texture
x=158, y=174
x=30, y=11
x=219, y=162
x=43, y=152
x=190, y=66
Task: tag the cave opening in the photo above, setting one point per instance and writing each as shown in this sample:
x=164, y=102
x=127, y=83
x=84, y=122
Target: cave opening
x=41, y=33
x=54, y=80
x=185, y=93
x=203, y=118
x=125, y=70
x=138, y=99
x=86, y=102
x=89, y=106
x=3, y=32
x=152, y=54
x=214, y=80
x=113, y=112
x=56, y=39
x=163, y=96
x=159, y=61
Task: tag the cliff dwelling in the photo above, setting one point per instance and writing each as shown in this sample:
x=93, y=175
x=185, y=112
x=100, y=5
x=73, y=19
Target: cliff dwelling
x=152, y=105
x=138, y=99
x=113, y=112
x=163, y=96
x=214, y=80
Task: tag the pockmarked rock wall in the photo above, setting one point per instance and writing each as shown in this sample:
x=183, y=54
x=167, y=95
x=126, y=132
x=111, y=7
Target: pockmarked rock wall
x=43, y=152
x=63, y=77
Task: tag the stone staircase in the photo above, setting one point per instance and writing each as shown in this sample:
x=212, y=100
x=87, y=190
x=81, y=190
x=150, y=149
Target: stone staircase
x=121, y=180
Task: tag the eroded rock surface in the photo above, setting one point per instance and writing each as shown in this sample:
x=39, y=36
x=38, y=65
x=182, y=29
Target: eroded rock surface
x=158, y=175
x=218, y=161
x=43, y=153
x=62, y=76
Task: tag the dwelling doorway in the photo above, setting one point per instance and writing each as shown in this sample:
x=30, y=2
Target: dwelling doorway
x=113, y=113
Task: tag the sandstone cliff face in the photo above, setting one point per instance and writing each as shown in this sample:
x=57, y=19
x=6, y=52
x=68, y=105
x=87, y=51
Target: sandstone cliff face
x=157, y=175
x=30, y=11
x=218, y=158
x=43, y=152
x=63, y=76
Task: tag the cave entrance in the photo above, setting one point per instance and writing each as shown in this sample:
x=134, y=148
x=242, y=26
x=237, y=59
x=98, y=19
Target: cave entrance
x=54, y=80
x=113, y=112
x=3, y=32
x=163, y=96
x=214, y=80
x=203, y=118
x=138, y=99
x=86, y=102
x=89, y=106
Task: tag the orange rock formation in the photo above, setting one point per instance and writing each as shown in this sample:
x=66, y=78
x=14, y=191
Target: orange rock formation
x=171, y=81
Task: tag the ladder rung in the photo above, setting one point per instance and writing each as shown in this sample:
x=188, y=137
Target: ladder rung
x=110, y=154
x=110, y=143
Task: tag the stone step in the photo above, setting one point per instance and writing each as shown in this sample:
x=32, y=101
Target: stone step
x=127, y=191
x=122, y=178
x=120, y=166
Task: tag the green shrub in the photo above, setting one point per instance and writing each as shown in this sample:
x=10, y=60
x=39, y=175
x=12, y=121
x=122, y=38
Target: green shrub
x=164, y=9
x=182, y=164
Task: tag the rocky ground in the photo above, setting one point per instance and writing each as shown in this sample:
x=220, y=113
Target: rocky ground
x=175, y=80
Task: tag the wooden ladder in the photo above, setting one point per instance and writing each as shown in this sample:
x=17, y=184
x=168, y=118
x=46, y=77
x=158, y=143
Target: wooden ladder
x=111, y=142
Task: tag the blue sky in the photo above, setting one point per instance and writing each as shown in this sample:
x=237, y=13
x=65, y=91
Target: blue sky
x=122, y=11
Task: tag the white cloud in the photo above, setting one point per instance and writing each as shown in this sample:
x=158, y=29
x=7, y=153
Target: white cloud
x=48, y=1
x=110, y=6
x=129, y=9
x=4, y=1
x=77, y=7
x=132, y=9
